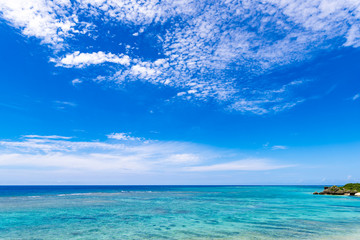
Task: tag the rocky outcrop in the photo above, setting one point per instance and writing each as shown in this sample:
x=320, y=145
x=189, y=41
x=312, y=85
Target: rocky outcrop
x=348, y=189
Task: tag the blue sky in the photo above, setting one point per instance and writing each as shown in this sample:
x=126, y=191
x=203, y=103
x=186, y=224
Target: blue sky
x=179, y=92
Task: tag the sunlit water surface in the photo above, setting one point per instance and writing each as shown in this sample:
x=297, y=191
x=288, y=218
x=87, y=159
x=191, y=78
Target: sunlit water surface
x=176, y=212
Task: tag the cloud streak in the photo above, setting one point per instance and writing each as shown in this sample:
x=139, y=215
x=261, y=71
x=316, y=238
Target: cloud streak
x=125, y=155
x=356, y=96
x=279, y=147
x=242, y=165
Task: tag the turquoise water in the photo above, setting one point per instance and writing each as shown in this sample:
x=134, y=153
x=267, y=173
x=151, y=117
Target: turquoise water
x=176, y=212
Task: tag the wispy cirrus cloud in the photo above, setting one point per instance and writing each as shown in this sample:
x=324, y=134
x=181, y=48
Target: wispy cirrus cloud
x=64, y=104
x=242, y=165
x=128, y=155
x=46, y=137
x=206, y=50
x=279, y=147
x=356, y=96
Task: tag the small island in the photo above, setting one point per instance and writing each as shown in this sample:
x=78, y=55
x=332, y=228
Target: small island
x=350, y=189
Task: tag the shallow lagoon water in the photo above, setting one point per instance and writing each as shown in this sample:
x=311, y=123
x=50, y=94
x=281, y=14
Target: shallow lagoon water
x=176, y=212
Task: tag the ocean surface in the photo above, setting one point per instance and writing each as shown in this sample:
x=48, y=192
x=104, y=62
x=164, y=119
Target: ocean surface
x=176, y=212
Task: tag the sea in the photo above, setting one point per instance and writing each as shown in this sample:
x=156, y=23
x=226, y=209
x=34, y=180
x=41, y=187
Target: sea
x=176, y=212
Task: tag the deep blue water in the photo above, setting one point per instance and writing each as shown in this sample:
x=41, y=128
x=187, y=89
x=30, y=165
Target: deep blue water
x=176, y=212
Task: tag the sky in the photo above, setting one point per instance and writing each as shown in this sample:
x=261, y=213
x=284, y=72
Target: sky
x=179, y=92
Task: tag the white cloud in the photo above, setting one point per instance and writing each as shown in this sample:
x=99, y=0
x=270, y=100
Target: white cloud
x=123, y=136
x=242, y=165
x=37, y=144
x=353, y=37
x=92, y=162
x=209, y=51
x=183, y=158
x=59, y=152
x=325, y=18
x=46, y=20
x=76, y=82
x=80, y=60
x=356, y=97
x=61, y=105
x=138, y=12
x=279, y=147
x=181, y=94
x=46, y=137
x=143, y=72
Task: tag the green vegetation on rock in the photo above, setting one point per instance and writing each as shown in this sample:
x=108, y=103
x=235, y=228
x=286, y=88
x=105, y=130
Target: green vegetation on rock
x=352, y=187
x=347, y=189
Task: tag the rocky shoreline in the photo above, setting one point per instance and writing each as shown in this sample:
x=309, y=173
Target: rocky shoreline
x=350, y=189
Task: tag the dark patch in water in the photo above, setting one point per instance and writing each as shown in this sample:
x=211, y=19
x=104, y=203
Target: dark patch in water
x=182, y=212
